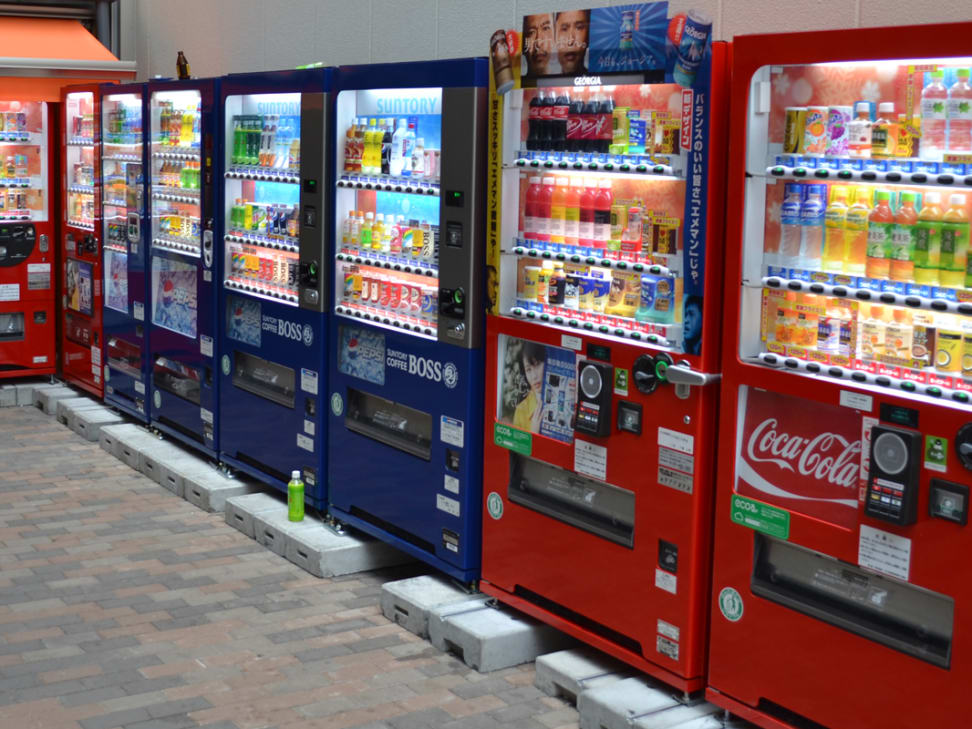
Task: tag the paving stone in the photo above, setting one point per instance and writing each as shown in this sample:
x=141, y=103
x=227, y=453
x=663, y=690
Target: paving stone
x=88, y=423
x=490, y=638
x=240, y=510
x=407, y=602
x=565, y=674
x=618, y=704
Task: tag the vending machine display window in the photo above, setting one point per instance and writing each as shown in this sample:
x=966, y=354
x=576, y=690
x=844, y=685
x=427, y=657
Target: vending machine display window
x=23, y=146
x=387, y=208
x=856, y=260
x=262, y=247
x=80, y=160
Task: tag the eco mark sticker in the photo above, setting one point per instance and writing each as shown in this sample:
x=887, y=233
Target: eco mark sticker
x=621, y=381
x=936, y=453
x=494, y=505
x=518, y=441
x=761, y=517
x=731, y=604
x=337, y=404
x=225, y=363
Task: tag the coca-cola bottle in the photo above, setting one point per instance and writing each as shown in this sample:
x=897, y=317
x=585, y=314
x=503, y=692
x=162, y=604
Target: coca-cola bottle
x=533, y=121
x=547, y=103
x=575, y=127
x=558, y=122
x=589, y=123
x=605, y=123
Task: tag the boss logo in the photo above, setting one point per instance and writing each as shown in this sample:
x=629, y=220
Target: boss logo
x=290, y=330
x=430, y=369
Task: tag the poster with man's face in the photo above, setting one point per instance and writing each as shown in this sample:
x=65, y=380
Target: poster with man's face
x=555, y=44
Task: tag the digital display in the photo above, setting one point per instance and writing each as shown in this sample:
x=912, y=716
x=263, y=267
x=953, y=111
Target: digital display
x=898, y=415
x=599, y=351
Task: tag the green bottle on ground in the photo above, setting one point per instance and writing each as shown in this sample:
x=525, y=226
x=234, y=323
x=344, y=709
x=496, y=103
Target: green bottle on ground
x=295, y=497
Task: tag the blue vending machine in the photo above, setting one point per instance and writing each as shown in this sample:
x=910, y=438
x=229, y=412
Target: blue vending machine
x=406, y=373
x=182, y=262
x=272, y=302
x=126, y=298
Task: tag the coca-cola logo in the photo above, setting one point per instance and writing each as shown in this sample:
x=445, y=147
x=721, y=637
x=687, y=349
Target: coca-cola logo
x=785, y=459
x=809, y=457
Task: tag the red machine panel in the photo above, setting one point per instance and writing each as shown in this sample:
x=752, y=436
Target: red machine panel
x=81, y=332
x=844, y=469
x=27, y=254
x=600, y=386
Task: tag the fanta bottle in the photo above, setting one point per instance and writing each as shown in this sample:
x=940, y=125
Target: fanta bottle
x=880, y=226
x=544, y=204
x=529, y=229
x=834, y=219
x=602, y=214
x=855, y=232
x=572, y=212
x=586, y=227
x=558, y=211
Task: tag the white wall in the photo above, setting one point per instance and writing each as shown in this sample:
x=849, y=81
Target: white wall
x=224, y=36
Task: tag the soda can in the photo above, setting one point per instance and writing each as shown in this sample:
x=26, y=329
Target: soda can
x=292, y=266
x=385, y=287
x=796, y=120
x=430, y=302
x=395, y=295
x=815, y=131
x=375, y=296
x=21, y=121
x=838, y=117
x=691, y=47
x=414, y=298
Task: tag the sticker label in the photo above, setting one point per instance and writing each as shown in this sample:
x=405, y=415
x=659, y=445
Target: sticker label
x=884, y=552
x=206, y=415
x=140, y=388
x=337, y=404
x=666, y=647
x=668, y=630
x=856, y=400
x=675, y=480
x=206, y=346
x=731, y=604
x=936, y=453
x=361, y=353
x=95, y=356
x=621, y=381
x=666, y=581
x=682, y=442
x=207, y=275
x=40, y=359
x=39, y=276
x=590, y=459
x=571, y=342
x=866, y=424
x=309, y=427
x=139, y=310
x=449, y=506
x=452, y=431
x=308, y=381
x=494, y=505
x=9, y=292
x=760, y=517
x=225, y=364
x=304, y=442
x=673, y=459
x=512, y=439
x=451, y=484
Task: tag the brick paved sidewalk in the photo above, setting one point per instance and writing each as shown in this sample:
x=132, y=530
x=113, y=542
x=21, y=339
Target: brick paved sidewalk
x=122, y=606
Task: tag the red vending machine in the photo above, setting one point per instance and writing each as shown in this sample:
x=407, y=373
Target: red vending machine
x=839, y=587
x=603, y=337
x=81, y=332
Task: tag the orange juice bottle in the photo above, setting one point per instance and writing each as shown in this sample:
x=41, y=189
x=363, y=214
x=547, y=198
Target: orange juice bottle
x=835, y=218
x=880, y=226
x=902, y=239
x=855, y=232
x=928, y=240
x=558, y=211
x=572, y=212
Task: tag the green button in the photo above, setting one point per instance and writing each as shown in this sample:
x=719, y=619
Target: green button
x=602, y=329
x=559, y=319
x=458, y=296
x=960, y=396
x=588, y=325
x=934, y=391
x=908, y=386
x=660, y=369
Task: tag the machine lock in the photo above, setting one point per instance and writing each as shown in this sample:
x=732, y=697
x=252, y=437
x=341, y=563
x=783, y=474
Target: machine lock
x=963, y=445
x=685, y=378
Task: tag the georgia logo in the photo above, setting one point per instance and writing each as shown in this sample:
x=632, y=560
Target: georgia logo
x=450, y=375
x=308, y=335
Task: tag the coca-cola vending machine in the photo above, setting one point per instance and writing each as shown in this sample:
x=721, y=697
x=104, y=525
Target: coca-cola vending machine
x=602, y=341
x=839, y=585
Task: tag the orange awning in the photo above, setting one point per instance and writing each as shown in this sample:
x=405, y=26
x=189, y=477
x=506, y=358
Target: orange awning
x=40, y=56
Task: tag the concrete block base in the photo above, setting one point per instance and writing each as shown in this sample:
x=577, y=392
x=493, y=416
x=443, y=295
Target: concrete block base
x=318, y=550
x=66, y=407
x=490, y=638
x=88, y=423
x=126, y=441
x=621, y=703
x=208, y=488
x=46, y=398
x=408, y=602
x=242, y=510
x=565, y=674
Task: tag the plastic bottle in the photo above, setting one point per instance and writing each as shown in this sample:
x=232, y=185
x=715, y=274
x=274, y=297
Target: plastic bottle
x=959, y=113
x=547, y=102
x=631, y=236
x=934, y=98
x=544, y=203
x=605, y=124
x=558, y=121
x=812, y=213
x=602, y=214
x=418, y=158
x=834, y=219
x=386, y=145
x=589, y=112
x=575, y=126
x=530, y=209
x=357, y=222
x=367, y=230
x=585, y=232
x=378, y=232
x=558, y=211
x=880, y=227
x=855, y=232
x=533, y=122
x=295, y=497
x=903, y=239
x=859, y=131
x=397, y=162
x=955, y=243
x=884, y=132
x=369, y=157
x=408, y=148
x=572, y=212
x=928, y=240
x=791, y=232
